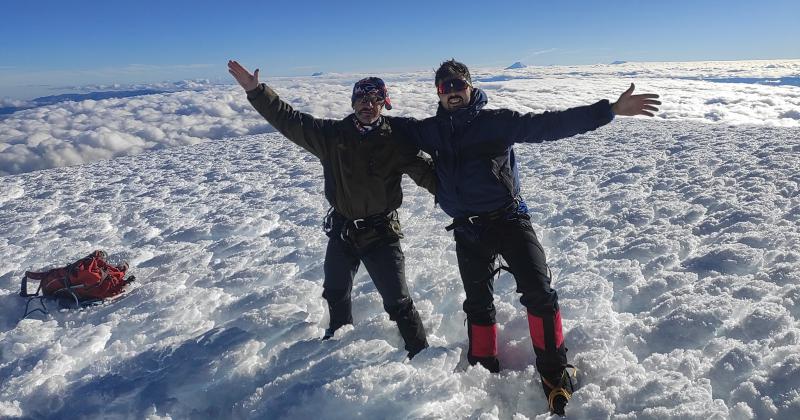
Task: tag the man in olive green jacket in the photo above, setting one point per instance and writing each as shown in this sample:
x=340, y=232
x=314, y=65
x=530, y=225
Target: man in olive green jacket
x=363, y=162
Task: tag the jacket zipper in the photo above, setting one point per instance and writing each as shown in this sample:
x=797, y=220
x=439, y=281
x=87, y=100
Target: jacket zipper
x=456, y=162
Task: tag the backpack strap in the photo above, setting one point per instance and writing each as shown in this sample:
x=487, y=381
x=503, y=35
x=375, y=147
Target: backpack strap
x=23, y=288
x=28, y=311
x=23, y=291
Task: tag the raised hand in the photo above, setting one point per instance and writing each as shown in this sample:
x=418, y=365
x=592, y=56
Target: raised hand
x=246, y=80
x=630, y=104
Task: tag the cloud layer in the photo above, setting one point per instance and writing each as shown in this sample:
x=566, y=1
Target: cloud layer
x=73, y=133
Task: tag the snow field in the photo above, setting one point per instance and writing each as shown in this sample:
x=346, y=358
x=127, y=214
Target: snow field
x=672, y=245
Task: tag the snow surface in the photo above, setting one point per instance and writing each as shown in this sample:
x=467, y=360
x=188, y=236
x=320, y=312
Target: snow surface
x=674, y=245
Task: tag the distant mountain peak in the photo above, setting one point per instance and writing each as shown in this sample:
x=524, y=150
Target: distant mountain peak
x=618, y=62
x=517, y=65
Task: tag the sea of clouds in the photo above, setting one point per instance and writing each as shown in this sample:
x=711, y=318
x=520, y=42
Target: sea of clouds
x=71, y=133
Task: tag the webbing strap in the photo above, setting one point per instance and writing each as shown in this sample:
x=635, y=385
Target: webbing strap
x=508, y=211
x=23, y=286
x=70, y=293
x=43, y=309
x=370, y=221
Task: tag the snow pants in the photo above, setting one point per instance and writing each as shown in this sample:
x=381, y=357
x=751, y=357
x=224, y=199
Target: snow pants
x=385, y=264
x=477, y=247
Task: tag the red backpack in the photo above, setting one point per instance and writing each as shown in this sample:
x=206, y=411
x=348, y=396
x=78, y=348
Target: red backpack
x=88, y=280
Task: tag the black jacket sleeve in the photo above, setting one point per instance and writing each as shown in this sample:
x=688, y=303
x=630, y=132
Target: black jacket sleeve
x=303, y=129
x=412, y=131
x=419, y=169
x=554, y=125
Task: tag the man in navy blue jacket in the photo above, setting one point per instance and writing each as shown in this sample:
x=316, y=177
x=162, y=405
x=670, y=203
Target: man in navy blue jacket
x=478, y=185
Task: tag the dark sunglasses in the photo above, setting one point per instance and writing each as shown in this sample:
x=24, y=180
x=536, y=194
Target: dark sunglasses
x=452, y=85
x=375, y=99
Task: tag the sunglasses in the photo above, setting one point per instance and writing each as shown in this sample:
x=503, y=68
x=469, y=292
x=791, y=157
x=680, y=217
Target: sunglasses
x=373, y=98
x=452, y=85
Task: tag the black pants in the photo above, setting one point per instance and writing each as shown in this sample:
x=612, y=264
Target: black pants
x=477, y=247
x=385, y=264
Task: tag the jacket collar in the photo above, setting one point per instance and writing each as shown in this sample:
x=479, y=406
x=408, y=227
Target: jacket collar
x=382, y=127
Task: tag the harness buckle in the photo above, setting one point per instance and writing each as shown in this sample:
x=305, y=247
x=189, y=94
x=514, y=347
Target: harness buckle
x=356, y=222
x=327, y=222
x=471, y=219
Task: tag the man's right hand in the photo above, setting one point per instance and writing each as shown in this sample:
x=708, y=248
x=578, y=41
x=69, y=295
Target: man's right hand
x=246, y=80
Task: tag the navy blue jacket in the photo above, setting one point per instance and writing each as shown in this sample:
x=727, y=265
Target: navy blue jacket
x=472, y=148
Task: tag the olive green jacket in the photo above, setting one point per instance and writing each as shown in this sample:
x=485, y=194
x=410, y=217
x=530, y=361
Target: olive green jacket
x=362, y=172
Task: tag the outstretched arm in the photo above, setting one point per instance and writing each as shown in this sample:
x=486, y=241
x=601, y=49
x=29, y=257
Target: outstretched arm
x=630, y=104
x=548, y=126
x=303, y=129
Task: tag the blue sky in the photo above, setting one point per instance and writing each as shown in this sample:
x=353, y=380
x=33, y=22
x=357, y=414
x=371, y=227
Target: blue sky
x=49, y=45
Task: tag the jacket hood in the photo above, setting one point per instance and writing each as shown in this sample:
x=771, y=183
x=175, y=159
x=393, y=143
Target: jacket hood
x=466, y=114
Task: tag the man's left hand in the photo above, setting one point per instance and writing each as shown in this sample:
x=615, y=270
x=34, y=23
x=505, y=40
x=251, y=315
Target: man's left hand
x=630, y=104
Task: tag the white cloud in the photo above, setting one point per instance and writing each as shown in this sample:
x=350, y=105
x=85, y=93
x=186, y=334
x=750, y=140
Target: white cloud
x=81, y=132
x=9, y=102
